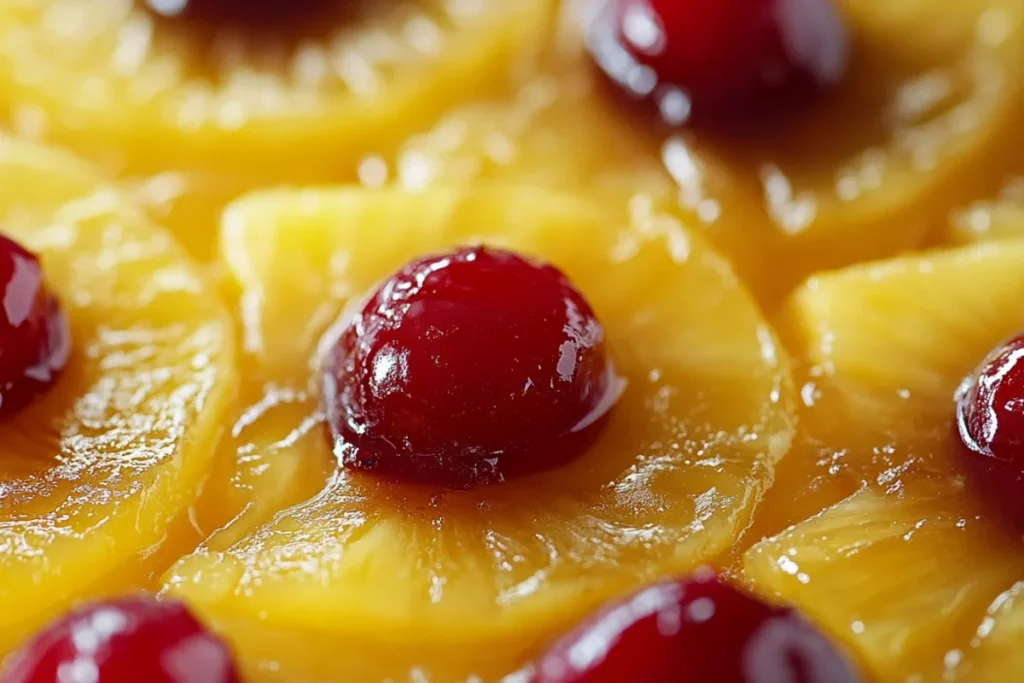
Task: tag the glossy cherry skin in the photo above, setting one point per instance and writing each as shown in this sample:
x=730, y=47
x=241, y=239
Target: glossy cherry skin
x=467, y=367
x=125, y=641
x=699, y=630
x=34, y=337
x=990, y=421
x=713, y=56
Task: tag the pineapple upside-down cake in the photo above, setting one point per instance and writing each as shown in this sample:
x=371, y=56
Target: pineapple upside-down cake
x=593, y=341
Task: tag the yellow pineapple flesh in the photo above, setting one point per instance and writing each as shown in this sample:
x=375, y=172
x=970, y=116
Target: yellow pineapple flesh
x=150, y=94
x=903, y=577
x=98, y=471
x=904, y=568
x=687, y=452
x=906, y=331
x=859, y=172
x=990, y=219
x=994, y=650
x=866, y=525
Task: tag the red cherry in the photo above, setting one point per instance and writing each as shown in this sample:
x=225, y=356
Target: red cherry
x=34, y=336
x=125, y=641
x=697, y=630
x=990, y=419
x=466, y=367
x=715, y=54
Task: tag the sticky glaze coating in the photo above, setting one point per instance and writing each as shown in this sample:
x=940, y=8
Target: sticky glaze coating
x=34, y=335
x=694, y=631
x=467, y=367
x=990, y=419
x=691, y=56
x=131, y=639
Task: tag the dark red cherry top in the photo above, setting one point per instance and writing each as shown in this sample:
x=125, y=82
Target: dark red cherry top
x=699, y=630
x=990, y=418
x=466, y=367
x=34, y=336
x=697, y=55
x=125, y=641
x=249, y=14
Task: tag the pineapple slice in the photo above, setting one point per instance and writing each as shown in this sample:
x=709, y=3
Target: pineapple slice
x=924, y=129
x=97, y=470
x=903, y=578
x=905, y=332
x=994, y=651
x=990, y=219
x=885, y=346
x=146, y=93
x=672, y=480
x=882, y=348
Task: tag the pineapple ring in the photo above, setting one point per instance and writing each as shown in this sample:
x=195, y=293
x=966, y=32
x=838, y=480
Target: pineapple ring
x=882, y=348
x=969, y=294
x=866, y=571
x=990, y=219
x=924, y=129
x=108, y=78
x=670, y=484
x=995, y=648
x=95, y=470
x=886, y=345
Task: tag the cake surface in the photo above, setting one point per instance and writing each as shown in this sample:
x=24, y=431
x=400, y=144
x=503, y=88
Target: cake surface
x=753, y=270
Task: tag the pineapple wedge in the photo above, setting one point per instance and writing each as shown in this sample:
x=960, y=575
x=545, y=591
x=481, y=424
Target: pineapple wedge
x=670, y=483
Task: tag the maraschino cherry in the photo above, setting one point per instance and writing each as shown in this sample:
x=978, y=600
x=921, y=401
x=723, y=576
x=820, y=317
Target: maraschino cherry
x=696, y=57
x=466, y=367
x=125, y=641
x=700, y=630
x=990, y=419
x=34, y=337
